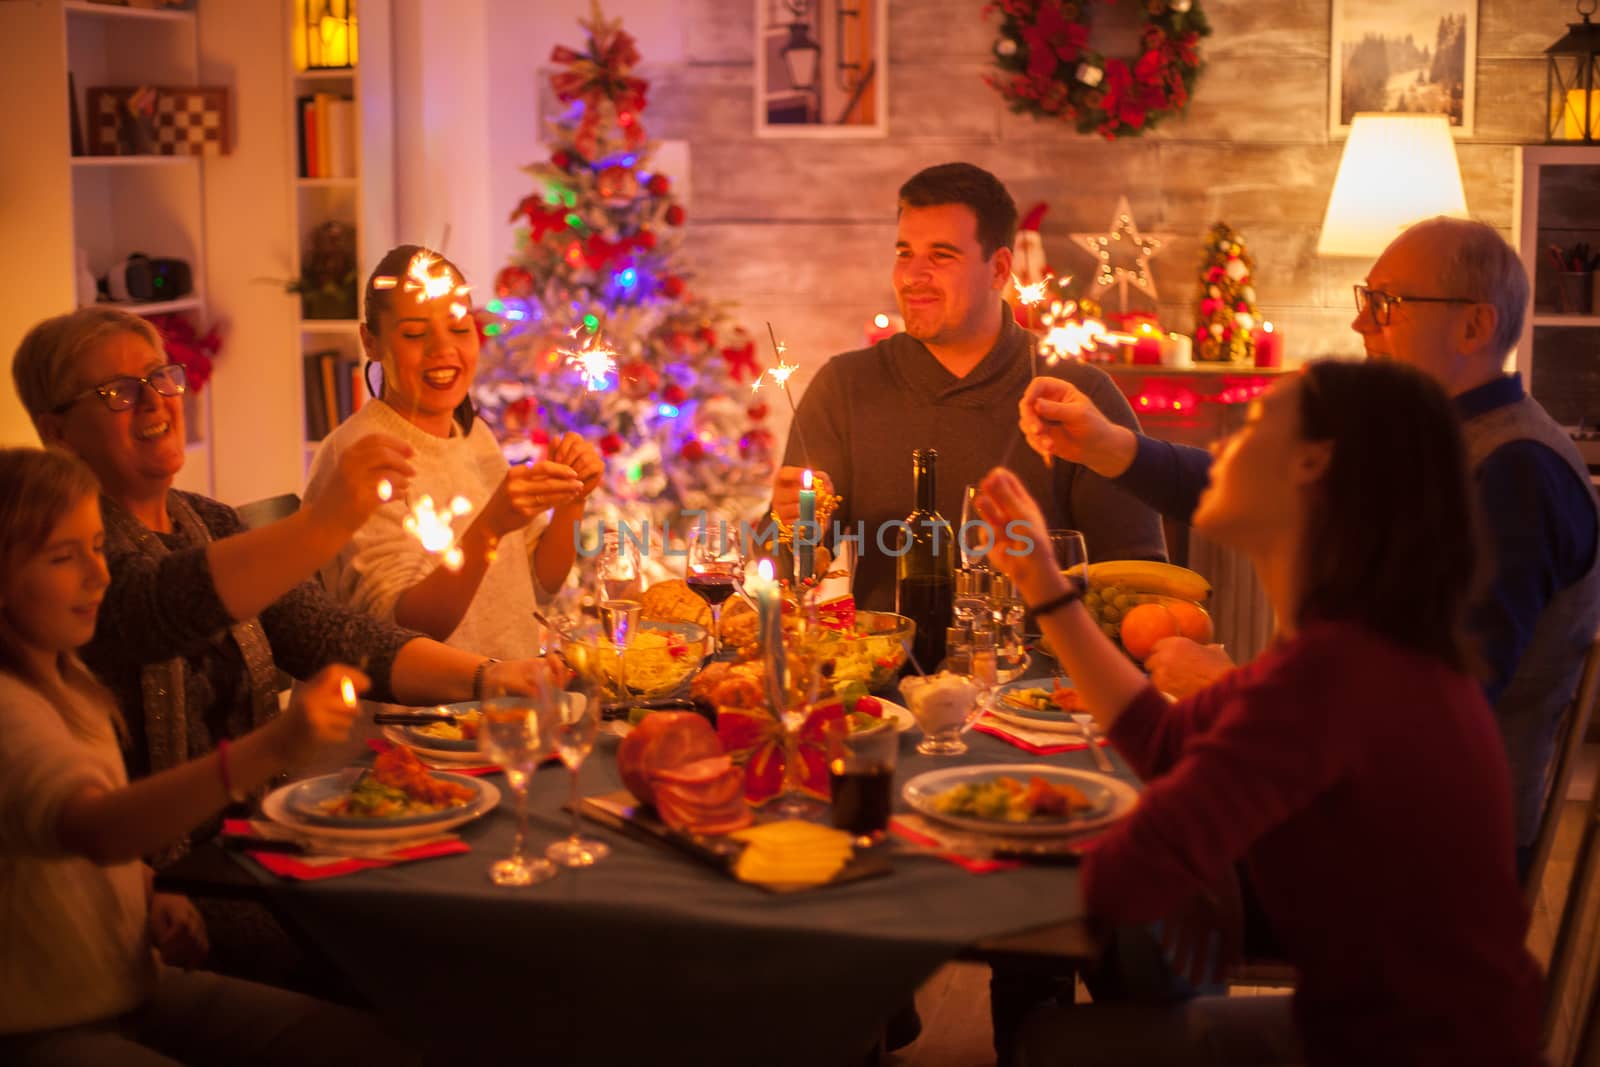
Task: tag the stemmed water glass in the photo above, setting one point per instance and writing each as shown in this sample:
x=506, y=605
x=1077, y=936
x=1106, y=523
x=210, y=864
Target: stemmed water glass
x=619, y=573
x=972, y=536
x=1071, y=553
x=575, y=721
x=512, y=732
x=715, y=565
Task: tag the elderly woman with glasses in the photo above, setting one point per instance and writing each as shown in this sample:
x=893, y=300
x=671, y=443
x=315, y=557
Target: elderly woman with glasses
x=202, y=614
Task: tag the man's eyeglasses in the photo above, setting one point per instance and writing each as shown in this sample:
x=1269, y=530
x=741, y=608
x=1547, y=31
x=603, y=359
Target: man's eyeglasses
x=1383, y=303
x=120, y=394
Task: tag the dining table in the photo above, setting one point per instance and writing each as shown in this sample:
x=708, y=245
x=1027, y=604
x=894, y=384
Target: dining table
x=649, y=956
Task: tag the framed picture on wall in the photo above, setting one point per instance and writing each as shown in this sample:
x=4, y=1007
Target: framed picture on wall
x=1416, y=57
x=821, y=68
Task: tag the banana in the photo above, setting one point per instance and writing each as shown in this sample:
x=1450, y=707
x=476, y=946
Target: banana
x=1146, y=576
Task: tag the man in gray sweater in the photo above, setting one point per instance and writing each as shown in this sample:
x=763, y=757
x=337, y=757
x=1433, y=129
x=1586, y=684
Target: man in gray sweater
x=951, y=382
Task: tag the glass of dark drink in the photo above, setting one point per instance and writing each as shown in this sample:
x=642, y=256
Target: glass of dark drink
x=861, y=765
x=716, y=562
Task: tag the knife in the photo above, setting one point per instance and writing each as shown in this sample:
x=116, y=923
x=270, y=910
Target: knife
x=411, y=718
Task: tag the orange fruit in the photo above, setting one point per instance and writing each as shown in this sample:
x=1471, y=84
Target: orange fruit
x=1194, y=622
x=1144, y=626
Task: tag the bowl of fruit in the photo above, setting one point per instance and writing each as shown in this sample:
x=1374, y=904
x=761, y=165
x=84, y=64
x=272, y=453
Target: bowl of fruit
x=1138, y=602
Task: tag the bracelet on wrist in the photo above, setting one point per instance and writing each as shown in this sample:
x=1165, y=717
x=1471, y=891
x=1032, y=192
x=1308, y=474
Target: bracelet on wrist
x=477, y=678
x=1076, y=587
x=223, y=772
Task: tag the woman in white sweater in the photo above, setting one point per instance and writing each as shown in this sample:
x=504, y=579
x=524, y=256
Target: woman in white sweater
x=519, y=537
x=90, y=970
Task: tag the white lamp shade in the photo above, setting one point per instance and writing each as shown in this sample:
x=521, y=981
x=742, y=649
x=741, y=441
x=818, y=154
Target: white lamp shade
x=1396, y=170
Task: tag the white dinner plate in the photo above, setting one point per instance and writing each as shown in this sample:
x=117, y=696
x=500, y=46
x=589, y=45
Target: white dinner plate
x=276, y=808
x=1112, y=797
x=903, y=719
x=470, y=758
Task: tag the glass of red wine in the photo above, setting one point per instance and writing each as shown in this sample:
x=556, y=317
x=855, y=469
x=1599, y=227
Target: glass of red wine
x=861, y=760
x=716, y=563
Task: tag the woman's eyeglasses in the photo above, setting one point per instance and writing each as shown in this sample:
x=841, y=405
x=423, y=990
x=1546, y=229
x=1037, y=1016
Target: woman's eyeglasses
x=120, y=394
x=1382, y=303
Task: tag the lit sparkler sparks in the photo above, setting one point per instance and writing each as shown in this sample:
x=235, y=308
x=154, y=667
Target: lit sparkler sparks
x=780, y=376
x=434, y=530
x=347, y=690
x=426, y=274
x=1031, y=294
x=596, y=360
x=385, y=490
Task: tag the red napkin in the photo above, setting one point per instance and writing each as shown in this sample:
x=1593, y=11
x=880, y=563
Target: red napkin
x=967, y=863
x=381, y=745
x=997, y=730
x=308, y=869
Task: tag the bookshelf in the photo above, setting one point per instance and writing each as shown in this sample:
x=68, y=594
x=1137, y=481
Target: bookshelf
x=341, y=135
x=102, y=207
x=1559, y=337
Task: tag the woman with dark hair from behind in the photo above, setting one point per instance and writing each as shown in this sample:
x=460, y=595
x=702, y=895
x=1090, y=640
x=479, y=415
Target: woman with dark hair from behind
x=1354, y=767
x=96, y=967
x=519, y=538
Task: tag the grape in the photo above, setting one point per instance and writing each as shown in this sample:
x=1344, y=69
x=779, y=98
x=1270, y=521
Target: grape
x=1109, y=629
x=1111, y=613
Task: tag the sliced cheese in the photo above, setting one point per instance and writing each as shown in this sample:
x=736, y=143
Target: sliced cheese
x=791, y=852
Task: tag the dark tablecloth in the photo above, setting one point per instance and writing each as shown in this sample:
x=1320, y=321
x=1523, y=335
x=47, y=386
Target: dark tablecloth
x=650, y=957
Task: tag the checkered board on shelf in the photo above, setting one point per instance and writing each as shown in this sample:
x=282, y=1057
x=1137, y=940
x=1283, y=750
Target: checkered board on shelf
x=185, y=122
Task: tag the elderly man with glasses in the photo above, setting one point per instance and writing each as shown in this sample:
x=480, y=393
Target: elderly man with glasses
x=1447, y=296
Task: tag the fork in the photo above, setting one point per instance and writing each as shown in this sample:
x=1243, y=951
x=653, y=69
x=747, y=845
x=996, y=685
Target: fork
x=1092, y=735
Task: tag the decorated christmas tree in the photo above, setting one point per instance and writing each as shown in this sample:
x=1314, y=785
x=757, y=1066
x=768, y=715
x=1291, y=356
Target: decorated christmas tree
x=594, y=328
x=1226, y=315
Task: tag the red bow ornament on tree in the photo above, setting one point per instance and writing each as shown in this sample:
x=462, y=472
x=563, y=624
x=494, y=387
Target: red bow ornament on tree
x=742, y=360
x=599, y=76
x=542, y=219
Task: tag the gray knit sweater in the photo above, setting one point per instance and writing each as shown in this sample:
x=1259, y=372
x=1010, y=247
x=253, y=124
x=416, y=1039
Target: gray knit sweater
x=866, y=411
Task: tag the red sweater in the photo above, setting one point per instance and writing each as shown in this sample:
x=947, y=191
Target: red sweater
x=1367, y=788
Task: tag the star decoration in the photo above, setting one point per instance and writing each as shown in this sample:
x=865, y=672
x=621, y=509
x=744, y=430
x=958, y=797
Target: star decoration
x=1122, y=255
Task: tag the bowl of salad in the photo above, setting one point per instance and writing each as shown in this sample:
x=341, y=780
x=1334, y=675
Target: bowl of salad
x=660, y=659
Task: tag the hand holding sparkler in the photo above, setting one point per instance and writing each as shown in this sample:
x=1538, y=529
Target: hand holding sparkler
x=357, y=487
x=1058, y=419
x=584, y=459
x=321, y=712
x=435, y=529
x=526, y=492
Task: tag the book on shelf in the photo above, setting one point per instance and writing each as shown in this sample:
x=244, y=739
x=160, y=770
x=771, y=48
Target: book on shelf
x=325, y=128
x=334, y=388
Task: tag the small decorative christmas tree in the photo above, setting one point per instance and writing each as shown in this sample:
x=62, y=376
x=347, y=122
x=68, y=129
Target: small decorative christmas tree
x=598, y=268
x=1226, y=315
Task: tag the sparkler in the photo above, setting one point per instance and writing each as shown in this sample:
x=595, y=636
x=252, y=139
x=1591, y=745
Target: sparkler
x=594, y=359
x=434, y=530
x=780, y=376
x=347, y=690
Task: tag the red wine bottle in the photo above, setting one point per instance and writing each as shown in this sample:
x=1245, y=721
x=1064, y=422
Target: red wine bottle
x=925, y=571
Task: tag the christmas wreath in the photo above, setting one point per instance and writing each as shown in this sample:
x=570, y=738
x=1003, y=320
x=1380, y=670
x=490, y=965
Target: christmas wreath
x=1048, y=69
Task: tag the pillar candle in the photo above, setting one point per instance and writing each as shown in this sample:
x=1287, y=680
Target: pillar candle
x=1269, y=346
x=1177, y=351
x=1147, y=350
x=805, y=531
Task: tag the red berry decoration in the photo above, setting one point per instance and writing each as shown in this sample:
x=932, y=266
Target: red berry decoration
x=513, y=281
x=675, y=215
x=707, y=335
x=561, y=158
x=659, y=184
x=757, y=412
x=645, y=239
x=672, y=286
x=611, y=443
x=539, y=435
x=674, y=394
x=693, y=450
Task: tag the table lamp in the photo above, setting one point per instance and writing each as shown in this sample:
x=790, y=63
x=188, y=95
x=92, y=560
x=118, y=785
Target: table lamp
x=1395, y=170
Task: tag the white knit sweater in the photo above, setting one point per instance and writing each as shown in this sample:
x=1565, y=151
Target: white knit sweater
x=73, y=942
x=382, y=561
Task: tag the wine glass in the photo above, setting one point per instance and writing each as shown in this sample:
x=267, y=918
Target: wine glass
x=618, y=569
x=972, y=536
x=574, y=723
x=716, y=562
x=513, y=732
x=1072, y=555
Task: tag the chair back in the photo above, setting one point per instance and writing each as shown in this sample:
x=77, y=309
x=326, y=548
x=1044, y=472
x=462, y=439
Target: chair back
x=259, y=513
x=1569, y=742
x=1572, y=1011
x=1573, y=979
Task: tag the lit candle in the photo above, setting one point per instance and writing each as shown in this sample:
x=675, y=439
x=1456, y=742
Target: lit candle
x=765, y=593
x=883, y=326
x=1147, y=346
x=1177, y=351
x=1269, y=347
x=805, y=533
